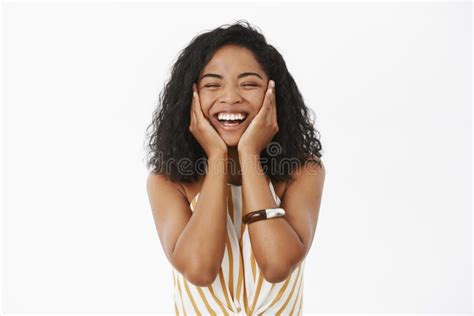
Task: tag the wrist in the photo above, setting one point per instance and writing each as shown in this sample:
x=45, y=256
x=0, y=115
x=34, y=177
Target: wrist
x=247, y=153
x=249, y=162
x=216, y=165
x=217, y=156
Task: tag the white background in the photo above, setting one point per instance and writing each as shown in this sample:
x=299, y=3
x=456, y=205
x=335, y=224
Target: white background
x=390, y=84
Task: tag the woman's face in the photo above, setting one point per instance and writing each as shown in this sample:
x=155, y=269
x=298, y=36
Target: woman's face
x=232, y=82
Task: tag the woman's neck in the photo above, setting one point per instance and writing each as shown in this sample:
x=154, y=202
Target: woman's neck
x=234, y=175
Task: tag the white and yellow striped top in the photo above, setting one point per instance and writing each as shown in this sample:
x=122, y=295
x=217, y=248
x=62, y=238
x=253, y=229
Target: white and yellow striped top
x=239, y=288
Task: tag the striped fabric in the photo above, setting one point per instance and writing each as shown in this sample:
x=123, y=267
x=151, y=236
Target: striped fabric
x=239, y=288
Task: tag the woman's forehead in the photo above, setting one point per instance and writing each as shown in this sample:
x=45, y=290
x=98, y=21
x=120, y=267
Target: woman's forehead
x=232, y=60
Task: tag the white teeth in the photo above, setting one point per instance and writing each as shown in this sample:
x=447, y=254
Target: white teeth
x=231, y=116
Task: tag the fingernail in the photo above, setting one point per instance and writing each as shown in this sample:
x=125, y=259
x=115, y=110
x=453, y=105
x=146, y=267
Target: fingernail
x=195, y=94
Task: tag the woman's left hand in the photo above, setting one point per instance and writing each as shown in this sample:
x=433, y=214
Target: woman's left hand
x=263, y=127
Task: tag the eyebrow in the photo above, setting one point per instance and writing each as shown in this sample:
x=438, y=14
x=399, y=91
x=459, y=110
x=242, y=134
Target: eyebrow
x=244, y=74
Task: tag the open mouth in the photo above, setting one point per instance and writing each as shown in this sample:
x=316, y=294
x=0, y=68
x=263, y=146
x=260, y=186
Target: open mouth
x=231, y=120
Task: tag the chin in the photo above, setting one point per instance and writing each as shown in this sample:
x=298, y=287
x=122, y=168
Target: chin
x=231, y=141
x=230, y=138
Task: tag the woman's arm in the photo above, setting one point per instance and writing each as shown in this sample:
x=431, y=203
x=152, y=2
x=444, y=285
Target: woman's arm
x=279, y=244
x=194, y=242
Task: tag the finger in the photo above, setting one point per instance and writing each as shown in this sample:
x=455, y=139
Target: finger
x=271, y=104
x=192, y=106
x=268, y=117
x=194, y=110
x=194, y=119
x=274, y=107
x=197, y=107
x=271, y=85
x=264, y=110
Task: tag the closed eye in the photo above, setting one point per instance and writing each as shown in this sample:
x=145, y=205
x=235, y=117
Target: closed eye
x=244, y=85
x=249, y=85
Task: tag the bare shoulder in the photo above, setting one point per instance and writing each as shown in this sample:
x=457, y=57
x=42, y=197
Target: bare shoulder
x=157, y=179
x=313, y=170
x=191, y=189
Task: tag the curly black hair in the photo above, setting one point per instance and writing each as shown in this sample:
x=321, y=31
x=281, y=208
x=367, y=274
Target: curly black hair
x=173, y=150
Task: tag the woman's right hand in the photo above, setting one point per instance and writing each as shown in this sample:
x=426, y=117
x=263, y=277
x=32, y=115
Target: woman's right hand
x=203, y=131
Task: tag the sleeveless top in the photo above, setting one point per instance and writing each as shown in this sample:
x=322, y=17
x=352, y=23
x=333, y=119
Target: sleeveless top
x=239, y=288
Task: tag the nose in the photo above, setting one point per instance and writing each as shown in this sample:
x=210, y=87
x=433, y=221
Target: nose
x=230, y=95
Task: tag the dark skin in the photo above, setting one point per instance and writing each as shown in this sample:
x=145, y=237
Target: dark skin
x=194, y=244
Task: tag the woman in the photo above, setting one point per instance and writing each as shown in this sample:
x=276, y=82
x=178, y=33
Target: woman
x=237, y=181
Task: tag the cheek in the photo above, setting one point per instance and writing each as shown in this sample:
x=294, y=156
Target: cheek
x=253, y=98
x=256, y=101
x=206, y=104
